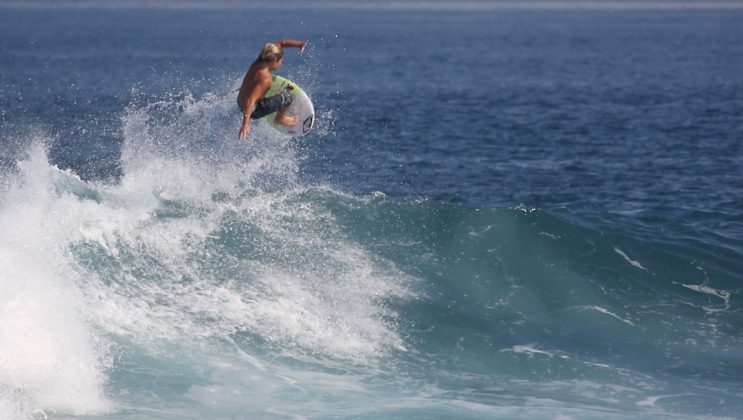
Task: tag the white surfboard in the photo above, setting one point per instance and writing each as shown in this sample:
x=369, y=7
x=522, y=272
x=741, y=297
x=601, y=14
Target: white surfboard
x=301, y=106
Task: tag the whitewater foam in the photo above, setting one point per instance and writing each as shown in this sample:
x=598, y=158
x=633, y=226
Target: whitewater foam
x=52, y=358
x=181, y=254
x=228, y=243
x=605, y=311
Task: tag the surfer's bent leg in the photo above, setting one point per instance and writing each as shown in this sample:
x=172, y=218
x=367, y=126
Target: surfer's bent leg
x=279, y=102
x=281, y=117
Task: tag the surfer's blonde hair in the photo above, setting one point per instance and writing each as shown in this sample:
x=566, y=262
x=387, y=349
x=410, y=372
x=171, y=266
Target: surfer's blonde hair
x=271, y=52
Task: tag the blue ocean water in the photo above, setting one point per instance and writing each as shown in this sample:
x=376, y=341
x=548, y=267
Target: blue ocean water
x=501, y=213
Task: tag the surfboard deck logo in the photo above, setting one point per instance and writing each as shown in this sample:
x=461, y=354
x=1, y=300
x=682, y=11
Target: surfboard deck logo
x=307, y=125
x=301, y=107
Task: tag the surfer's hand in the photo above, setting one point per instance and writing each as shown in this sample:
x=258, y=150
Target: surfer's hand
x=244, y=131
x=301, y=46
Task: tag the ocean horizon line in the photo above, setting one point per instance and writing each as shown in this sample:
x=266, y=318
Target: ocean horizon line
x=431, y=5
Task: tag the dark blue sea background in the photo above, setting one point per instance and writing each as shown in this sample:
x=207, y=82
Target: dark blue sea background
x=501, y=212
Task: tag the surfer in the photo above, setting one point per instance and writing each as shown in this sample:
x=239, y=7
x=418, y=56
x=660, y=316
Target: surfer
x=252, y=98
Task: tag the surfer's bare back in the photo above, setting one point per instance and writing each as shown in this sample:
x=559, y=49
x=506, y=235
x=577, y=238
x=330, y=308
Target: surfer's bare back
x=256, y=83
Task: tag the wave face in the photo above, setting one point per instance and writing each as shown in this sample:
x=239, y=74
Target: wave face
x=219, y=285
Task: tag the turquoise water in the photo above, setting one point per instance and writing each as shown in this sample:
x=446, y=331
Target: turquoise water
x=561, y=239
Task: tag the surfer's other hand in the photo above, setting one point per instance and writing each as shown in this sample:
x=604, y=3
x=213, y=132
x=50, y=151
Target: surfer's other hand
x=243, y=131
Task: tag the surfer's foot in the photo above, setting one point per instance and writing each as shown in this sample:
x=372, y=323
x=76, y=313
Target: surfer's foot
x=287, y=121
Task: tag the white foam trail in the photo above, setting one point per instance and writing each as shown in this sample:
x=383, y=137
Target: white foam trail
x=605, y=311
x=629, y=260
x=529, y=350
x=722, y=294
x=651, y=401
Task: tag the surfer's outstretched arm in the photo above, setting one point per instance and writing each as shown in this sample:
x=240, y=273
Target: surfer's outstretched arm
x=292, y=43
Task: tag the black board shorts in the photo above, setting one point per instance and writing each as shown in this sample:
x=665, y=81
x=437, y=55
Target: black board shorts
x=270, y=104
